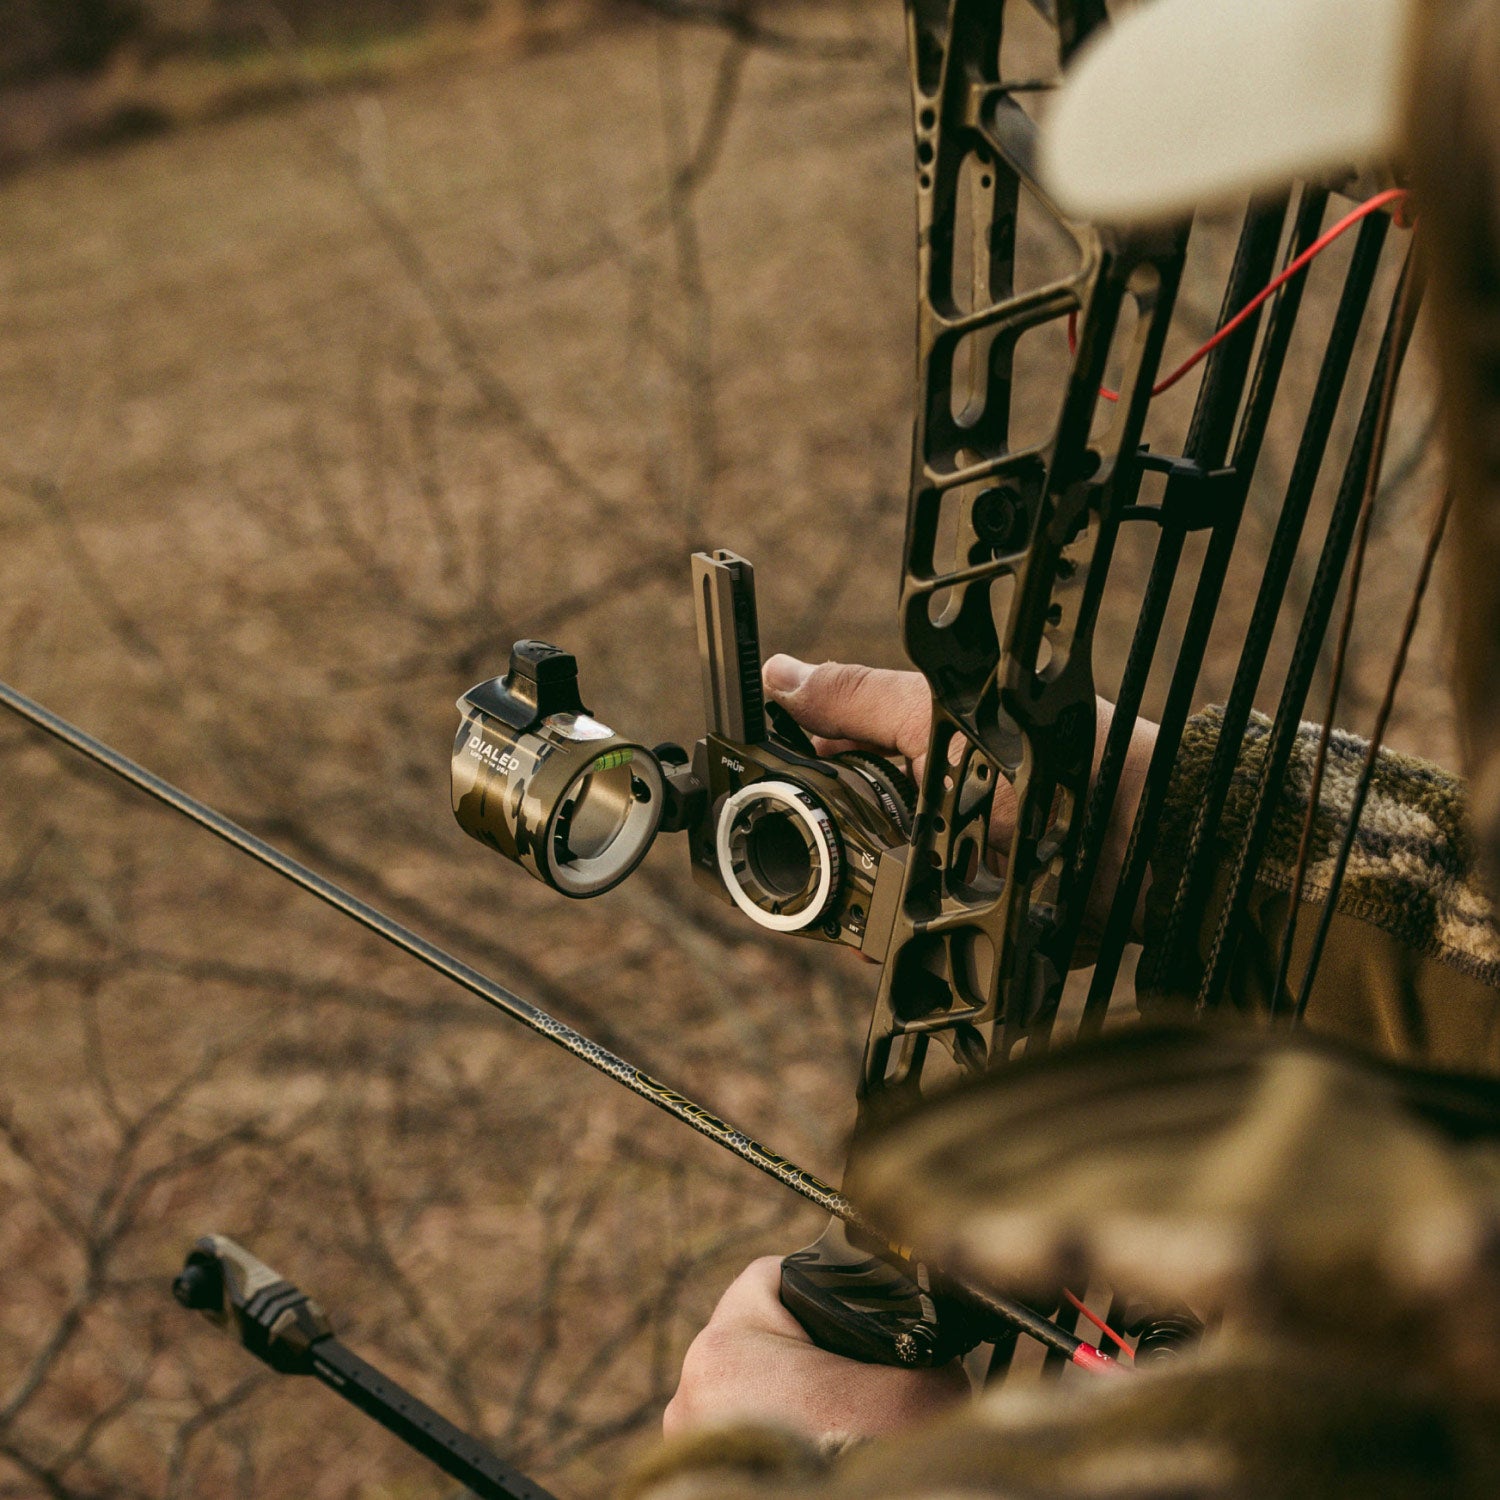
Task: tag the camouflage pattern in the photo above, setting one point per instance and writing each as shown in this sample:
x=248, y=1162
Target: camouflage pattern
x=520, y=769
x=1277, y=1177
x=1412, y=871
x=1412, y=967
x=1266, y=1420
x=1342, y=1217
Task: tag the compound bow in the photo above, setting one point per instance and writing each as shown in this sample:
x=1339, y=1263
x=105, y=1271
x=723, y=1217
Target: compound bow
x=1007, y=551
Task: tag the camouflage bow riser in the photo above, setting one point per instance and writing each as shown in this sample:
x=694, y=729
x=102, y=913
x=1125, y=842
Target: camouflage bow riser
x=1008, y=550
x=1014, y=692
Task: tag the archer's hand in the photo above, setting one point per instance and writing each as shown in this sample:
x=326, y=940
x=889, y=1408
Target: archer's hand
x=754, y=1362
x=846, y=707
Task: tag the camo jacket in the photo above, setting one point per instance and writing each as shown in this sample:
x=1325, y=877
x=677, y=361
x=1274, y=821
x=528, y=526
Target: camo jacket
x=1412, y=965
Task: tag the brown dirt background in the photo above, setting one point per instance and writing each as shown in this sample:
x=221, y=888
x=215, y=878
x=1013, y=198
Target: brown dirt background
x=305, y=414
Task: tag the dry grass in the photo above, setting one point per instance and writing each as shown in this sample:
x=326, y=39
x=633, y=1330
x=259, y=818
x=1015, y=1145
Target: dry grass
x=175, y=72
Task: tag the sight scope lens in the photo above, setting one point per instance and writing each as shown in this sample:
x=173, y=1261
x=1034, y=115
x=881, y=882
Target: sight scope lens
x=780, y=859
x=604, y=823
x=561, y=794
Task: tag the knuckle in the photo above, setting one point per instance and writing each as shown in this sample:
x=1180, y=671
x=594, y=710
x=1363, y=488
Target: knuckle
x=872, y=705
x=700, y=1366
x=694, y=1366
x=841, y=684
x=913, y=730
x=914, y=716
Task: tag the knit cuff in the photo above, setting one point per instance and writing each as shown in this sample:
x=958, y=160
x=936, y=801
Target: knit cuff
x=1412, y=870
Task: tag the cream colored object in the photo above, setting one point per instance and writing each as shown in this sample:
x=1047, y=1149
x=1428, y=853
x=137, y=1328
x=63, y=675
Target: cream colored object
x=1194, y=102
x=1269, y=1173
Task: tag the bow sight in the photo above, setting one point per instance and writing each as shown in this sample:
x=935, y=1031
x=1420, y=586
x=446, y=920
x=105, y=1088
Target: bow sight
x=798, y=842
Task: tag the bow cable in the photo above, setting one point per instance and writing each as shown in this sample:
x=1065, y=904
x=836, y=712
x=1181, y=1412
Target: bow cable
x=1317, y=612
x=1372, y=755
x=1301, y=263
x=1406, y=311
x=1081, y=1306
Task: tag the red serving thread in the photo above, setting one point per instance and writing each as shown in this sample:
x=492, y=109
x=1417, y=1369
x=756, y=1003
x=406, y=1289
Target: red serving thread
x=1318, y=246
x=1099, y=1323
x=1091, y=1359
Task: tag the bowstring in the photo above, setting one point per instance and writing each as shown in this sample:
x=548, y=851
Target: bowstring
x=1408, y=305
x=1372, y=753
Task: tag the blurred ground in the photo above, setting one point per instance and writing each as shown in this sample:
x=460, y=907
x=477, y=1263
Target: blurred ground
x=306, y=415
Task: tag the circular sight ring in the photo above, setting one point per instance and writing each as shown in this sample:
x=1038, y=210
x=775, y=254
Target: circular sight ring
x=603, y=824
x=761, y=829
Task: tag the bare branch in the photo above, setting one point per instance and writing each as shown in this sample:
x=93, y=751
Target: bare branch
x=742, y=23
x=499, y=398
x=204, y=1419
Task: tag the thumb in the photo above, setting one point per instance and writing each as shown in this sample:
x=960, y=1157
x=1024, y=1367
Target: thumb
x=845, y=701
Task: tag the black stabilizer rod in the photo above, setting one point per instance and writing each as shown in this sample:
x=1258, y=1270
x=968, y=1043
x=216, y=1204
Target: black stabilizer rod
x=286, y=1329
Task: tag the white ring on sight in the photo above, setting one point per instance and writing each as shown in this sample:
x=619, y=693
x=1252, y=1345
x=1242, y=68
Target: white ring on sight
x=787, y=798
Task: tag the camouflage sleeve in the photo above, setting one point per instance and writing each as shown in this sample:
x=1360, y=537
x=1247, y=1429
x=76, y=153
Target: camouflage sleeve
x=1269, y=1421
x=719, y=1461
x=1412, y=965
x=1336, y=1215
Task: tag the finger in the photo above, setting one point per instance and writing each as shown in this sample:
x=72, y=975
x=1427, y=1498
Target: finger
x=752, y=1301
x=825, y=746
x=1002, y=816
x=846, y=701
